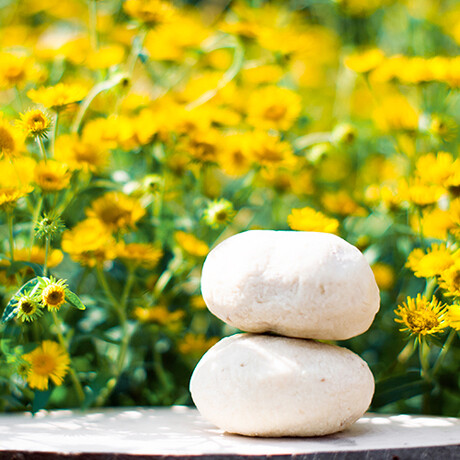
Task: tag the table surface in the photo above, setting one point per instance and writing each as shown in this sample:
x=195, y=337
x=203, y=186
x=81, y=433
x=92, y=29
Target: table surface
x=181, y=431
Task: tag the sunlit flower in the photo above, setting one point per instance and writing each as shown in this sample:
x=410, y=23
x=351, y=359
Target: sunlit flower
x=453, y=316
x=342, y=203
x=364, y=61
x=34, y=123
x=10, y=195
x=14, y=70
x=49, y=361
x=268, y=150
x=150, y=12
x=273, y=107
x=36, y=255
x=52, y=293
x=419, y=193
x=435, y=169
x=435, y=223
x=90, y=243
x=191, y=244
x=140, y=254
x=310, y=220
x=234, y=156
x=11, y=139
x=58, y=96
x=116, y=211
x=421, y=316
x=432, y=263
x=105, y=57
x=52, y=176
x=449, y=279
x=80, y=154
x=218, y=213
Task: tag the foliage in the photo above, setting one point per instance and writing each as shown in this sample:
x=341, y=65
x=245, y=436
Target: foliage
x=136, y=135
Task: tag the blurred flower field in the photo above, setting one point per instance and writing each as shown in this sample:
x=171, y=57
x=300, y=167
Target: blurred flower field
x=136, y=135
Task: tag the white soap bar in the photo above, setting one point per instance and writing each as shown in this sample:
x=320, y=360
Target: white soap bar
x=261, y=385
x=297, y=284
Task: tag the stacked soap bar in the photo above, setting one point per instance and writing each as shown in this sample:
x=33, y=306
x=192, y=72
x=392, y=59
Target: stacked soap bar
x=300, y=286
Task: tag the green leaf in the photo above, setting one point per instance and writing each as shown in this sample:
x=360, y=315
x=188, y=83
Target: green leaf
x=399, y=387
x=74, y=300
x=10, y=310
x=41, y=399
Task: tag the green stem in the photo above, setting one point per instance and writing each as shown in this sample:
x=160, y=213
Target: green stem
x=54, y=133
x=135, y=50
x=64, y=345
x=443, y=352
x=36, y=215
x=41, y=147
x=424, y=350
x=47, y=249
x=128, y=286
x=9, y=220
x=121, y=312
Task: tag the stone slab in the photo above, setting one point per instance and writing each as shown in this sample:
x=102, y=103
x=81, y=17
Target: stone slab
x=180, y=432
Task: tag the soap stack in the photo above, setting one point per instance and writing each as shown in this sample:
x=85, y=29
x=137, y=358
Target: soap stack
x=303, y=287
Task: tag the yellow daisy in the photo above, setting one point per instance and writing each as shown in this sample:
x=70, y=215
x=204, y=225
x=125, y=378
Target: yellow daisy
x=191, y=244
x=140, y=254
x=195, y=345
x=34, y=123
x=52, y=176
x=27, y=309
x=453, y=316
x=310, y=220
x=58, y=96
x=449, y=279
x=364, y=61
x=116, y=211
x=422, y=317
x=150, y=12
x=47, y=362
x=10, y=195
x=11, y=139
x=273, y=107
x=219, y=212
x=437, y=259
x=52, y=293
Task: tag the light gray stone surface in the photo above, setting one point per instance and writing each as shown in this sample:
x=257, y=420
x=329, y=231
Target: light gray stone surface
x=181, y=432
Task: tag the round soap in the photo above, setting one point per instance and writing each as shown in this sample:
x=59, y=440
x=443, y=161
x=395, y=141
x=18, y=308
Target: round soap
x=261, y=385
x=297, y=284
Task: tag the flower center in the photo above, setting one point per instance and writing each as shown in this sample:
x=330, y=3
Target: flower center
x=422, y=321
x=6, y=140
x=27, y=307
x=44, y=364
x=275, y=112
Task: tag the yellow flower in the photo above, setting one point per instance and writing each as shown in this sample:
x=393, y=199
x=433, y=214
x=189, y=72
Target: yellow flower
x=14, y=70
x=422, y=317
x=219, y=212
x=364, y=61
x=36, y=255
x=341, y=203
x=273, y=107
x=11, y=139
x=197, y=302
x=28, y=308
x=10, y=195
x=384, y=275
x=150, y=12
x=310, y=220
x=268, y=150
x=52, y=293
x=80, y=154
x=111, y=132
x=196, y=345
x=52, y=176
x=49, y=361
x=453, y=316
x=191, y=244
x=160, y=315
x=203, y=146
x=17, y=172
x=419, y=193
x=140, y=254
x=437, y=259
x=234, y=157
x=436, y=223
x=116, y=211
x=89, y=243
x=450, y=279
x=394, y=112
x=58, y=96
x=35, y=123
x=435, y=169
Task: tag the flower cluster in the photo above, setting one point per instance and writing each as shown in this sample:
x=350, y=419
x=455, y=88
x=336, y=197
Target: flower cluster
x=136, y=135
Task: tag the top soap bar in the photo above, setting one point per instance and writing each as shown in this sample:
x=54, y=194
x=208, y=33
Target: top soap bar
x=297, y=284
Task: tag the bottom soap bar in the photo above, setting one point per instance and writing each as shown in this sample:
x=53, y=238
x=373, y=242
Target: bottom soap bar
x=261, y=385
